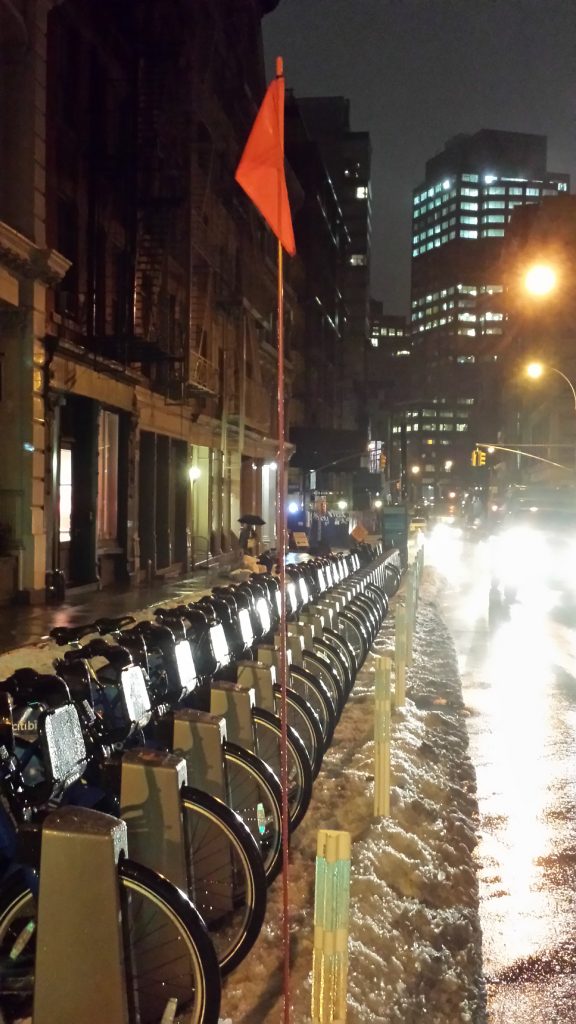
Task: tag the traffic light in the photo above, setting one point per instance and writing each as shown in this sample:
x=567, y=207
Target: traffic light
x=383, y=460
x=481, y=457
x=474, y=457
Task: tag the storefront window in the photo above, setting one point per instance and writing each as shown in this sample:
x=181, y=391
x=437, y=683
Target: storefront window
x=65, y=494
x=107, y=512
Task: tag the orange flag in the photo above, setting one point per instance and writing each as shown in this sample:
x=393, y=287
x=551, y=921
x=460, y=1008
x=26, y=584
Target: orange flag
x=261, y=169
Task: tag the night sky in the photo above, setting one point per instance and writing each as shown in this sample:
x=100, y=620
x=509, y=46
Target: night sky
x=418, y=72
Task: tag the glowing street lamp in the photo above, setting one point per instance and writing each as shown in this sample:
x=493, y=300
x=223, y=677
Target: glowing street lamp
x=537, y=370
x=540, y=279
x=342, y=505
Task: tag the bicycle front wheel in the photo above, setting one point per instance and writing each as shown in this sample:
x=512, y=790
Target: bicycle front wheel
x=254, y=792
x=228, y=882
x=167, y=952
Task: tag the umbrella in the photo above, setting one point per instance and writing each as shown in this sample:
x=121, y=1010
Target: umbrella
x=251, y=520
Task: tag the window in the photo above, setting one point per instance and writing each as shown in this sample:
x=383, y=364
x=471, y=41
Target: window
x=496, y=191
x=562, y=186
x=468, y=234
x=461, y=427
x=65, y=494
x=358, y=260
x=469, y=220
x=532, y=191
x=469, y=206
x=469, y=177
x=362, y=192
x=107, y=502
x=496, y=204
x=515, y=191
x=493, y=218
x=466, y=359
x=493, y=232
x=469, y=192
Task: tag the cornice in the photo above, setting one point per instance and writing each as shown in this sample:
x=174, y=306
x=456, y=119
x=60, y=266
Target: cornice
x=23, y=257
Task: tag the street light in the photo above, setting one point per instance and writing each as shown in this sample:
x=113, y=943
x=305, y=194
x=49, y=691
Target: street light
x=540, y=279
x=537, y=370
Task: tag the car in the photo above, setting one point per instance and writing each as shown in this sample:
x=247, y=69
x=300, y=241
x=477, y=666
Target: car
x=533, y=548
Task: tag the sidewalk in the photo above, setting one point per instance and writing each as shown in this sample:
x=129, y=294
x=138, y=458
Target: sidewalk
x=23, y=626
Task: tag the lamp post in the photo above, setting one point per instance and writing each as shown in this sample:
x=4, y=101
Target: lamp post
x=535, y=370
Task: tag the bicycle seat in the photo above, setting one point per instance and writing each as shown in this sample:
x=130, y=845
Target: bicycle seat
x=27, y=685
x=64, y=635
x=107, y=625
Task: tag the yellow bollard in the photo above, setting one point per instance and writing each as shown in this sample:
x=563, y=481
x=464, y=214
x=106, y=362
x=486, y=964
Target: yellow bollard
x=382, y=737
x=331, y=915
x=400, y=657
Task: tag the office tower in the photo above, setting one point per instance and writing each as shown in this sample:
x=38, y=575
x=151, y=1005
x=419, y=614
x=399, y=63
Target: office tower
x=347, y=155
x=458, y=312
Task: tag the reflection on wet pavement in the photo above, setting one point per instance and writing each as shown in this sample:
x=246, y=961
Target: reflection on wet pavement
x=519, y=685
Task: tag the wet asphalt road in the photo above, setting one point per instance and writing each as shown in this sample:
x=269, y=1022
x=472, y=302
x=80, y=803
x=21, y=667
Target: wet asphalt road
x=518, y=672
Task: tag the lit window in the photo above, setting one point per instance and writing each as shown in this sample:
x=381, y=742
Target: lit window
x=496, y=204
x=358, y=260
x=466, y=359
x=446, y=184
x=469, y=191
x=374, y=342
x=469, y=177
x=493, y=232
x=468, y=234
x=489, y=178
x=362, y=192
x=496, y=191
x=562, y=186
x=532, y=191
x=65, y=494
x=493, y=316
x=461, y=427
x=468, y=220
x=469, y=206
x=493, y=218
x=515, y=191
x=107, y=504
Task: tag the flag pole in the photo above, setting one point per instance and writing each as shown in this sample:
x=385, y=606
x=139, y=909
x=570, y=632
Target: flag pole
x=281, y=541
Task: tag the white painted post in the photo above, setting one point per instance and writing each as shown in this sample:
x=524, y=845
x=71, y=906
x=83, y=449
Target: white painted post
x=331, y=915
x=400, y=657
x=382, y=737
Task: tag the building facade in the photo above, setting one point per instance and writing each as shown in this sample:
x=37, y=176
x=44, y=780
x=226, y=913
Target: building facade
x=137, y=291
x=458, y=308
x=348, y=155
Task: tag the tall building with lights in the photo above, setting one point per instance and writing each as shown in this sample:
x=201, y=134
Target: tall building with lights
x=458, y=312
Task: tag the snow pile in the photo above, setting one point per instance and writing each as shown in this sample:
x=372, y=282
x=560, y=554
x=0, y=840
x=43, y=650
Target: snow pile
x=415, y=944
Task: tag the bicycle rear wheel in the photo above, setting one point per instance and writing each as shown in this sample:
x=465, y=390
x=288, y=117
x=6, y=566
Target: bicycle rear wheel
x=168, y=954
x=226, y=872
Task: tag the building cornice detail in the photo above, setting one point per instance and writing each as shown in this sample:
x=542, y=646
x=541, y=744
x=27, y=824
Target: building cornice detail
x=20, y=255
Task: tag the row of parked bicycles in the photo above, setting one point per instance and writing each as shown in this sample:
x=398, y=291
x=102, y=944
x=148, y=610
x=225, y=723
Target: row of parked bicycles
x=195, y=686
